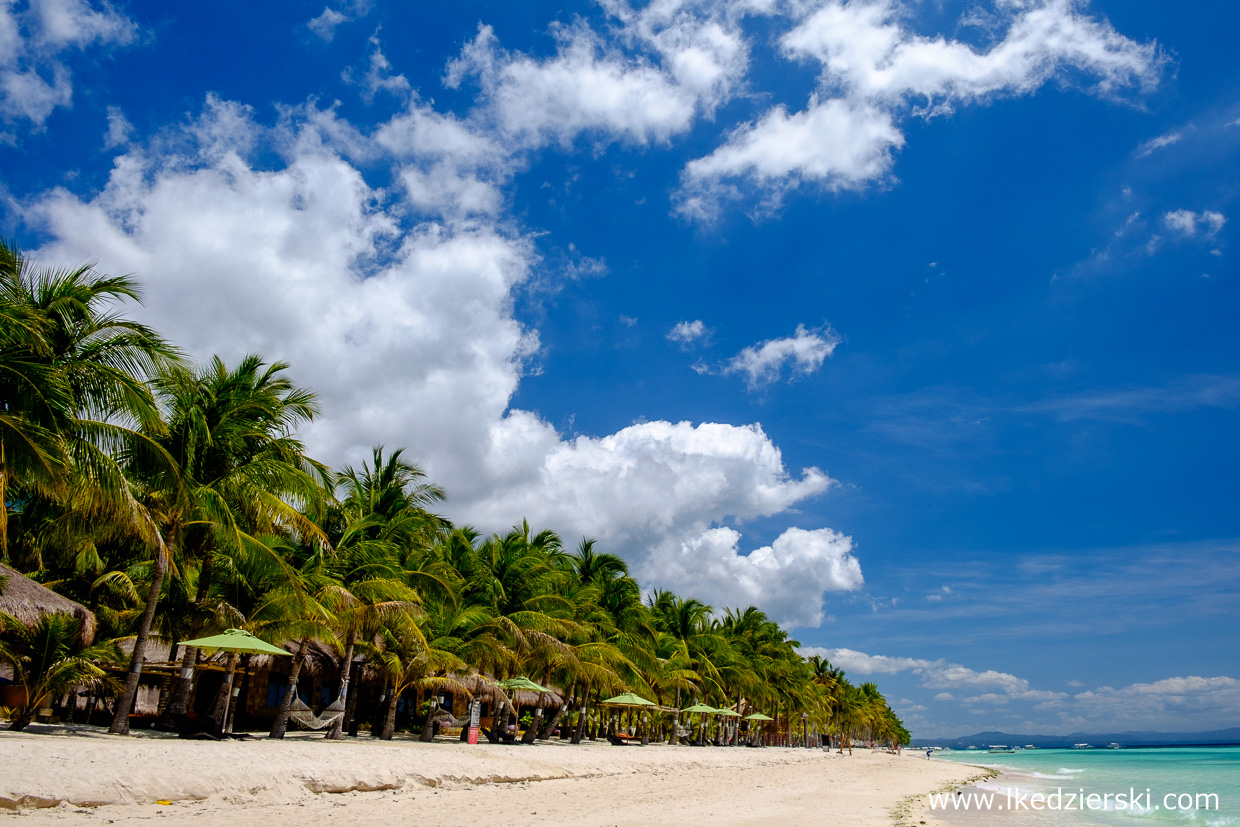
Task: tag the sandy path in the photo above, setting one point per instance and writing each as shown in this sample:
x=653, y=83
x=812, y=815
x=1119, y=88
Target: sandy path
x=99, y=779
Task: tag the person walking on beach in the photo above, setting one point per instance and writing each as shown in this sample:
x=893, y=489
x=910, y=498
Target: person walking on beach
x=928, y=751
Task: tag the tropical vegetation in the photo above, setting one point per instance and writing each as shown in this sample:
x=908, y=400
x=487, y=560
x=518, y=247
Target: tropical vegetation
x=176, y=500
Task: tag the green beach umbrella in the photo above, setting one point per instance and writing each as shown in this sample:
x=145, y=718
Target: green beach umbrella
x=235, y=640
x=628, y=699
x=758, y=716
x=728, y=713
x=700, y=708
x=522, y=683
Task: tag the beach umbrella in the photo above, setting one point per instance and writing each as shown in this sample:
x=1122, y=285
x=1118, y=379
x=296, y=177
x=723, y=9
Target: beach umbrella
x=233, y=641
x=704, y=710
x=758, y=716
x=728, y=713
x=522, y=683
x=628, y=699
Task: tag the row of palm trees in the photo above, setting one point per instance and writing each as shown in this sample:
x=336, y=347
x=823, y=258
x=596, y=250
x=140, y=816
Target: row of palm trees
x=175, y=500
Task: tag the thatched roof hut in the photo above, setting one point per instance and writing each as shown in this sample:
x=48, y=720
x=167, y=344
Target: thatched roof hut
x=27, y=601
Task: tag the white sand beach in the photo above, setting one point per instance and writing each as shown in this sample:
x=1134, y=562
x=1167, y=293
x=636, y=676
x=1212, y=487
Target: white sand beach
x=85, y=776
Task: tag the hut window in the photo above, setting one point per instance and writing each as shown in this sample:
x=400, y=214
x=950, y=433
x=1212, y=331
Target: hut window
x=275, y=691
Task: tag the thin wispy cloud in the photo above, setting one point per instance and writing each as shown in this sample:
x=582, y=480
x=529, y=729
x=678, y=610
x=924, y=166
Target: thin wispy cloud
x=1150, y=146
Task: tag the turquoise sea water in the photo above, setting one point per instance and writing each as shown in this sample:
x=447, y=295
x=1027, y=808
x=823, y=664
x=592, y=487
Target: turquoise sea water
x=1173, y=786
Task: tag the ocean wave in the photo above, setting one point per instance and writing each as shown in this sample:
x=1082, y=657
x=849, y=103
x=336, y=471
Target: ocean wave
x=1069, y=770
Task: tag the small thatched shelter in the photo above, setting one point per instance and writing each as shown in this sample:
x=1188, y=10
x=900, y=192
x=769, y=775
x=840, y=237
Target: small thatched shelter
x=27, y=601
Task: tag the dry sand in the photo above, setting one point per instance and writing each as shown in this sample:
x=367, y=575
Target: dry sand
x=86, y=776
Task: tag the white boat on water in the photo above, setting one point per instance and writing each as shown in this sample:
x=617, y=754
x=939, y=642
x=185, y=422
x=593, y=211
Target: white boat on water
x=1082, y=746
x=1001, y=748
x=1114, y=745
x=1030, y=746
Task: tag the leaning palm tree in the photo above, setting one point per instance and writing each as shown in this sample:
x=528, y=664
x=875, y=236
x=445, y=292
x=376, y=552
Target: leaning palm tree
x=48, y=660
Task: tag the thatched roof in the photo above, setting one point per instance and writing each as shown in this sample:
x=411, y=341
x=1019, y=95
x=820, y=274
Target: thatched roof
x=27, y=601
x=483, y=687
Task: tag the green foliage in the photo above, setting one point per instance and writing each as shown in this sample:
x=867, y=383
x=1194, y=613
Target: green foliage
x=113, y=451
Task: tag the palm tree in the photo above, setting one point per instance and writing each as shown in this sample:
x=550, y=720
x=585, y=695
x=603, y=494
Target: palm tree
x=48, y=660
x=241, y=472
x=382, y=513
x=72, y=383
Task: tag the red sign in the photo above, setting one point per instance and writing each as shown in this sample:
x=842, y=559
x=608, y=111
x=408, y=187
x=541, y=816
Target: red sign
x=473, y=735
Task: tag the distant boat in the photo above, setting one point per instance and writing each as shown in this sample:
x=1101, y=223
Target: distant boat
x=1082, y=746
x=1113, y=745
x=1001, y=748
x=971, y=747
x=1030, y=746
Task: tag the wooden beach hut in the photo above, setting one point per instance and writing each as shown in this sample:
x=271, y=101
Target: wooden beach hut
x=27, y=601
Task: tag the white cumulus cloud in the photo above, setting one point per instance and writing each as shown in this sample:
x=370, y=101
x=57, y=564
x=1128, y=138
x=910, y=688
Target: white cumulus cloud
x=1189, y=224
x=35, y=40
x=805, y=352
x=787, y=579
x=396, y=307
x=875, y=71
x=686, y=332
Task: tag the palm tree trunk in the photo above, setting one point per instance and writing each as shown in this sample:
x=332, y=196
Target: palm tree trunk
x=350, y=710
x=389, y=718
x=334, y=733
x=124, y=704
x=280, y=725
x=581, y=720
x=223, y=697
x=179, y=701
x=428, y=728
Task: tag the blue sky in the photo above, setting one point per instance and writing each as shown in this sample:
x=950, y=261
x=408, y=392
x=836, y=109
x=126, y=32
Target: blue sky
x=910, y=322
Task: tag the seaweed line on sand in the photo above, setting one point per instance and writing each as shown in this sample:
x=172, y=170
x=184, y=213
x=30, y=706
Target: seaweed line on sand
x=902, y=815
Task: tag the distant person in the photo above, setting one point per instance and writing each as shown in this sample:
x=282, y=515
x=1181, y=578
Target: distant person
x=928, y=751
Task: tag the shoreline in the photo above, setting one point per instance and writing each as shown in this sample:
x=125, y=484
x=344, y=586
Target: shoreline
x=84, y=775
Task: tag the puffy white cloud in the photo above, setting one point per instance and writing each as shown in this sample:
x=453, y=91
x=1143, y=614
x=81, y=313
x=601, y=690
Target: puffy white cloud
x=661, y=67
x=834, y=143
x=585, y=87
x=1165, y=704
x=404, y=326
x=34, y=79
x=874, y=70
x=805, y=351
x=787, y=579
x=1188, y=224
x=686, y=332
x=324, y=25
x=866, y=52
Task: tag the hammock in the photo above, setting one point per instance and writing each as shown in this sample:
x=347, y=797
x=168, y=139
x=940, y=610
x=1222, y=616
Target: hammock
x=303, y=716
